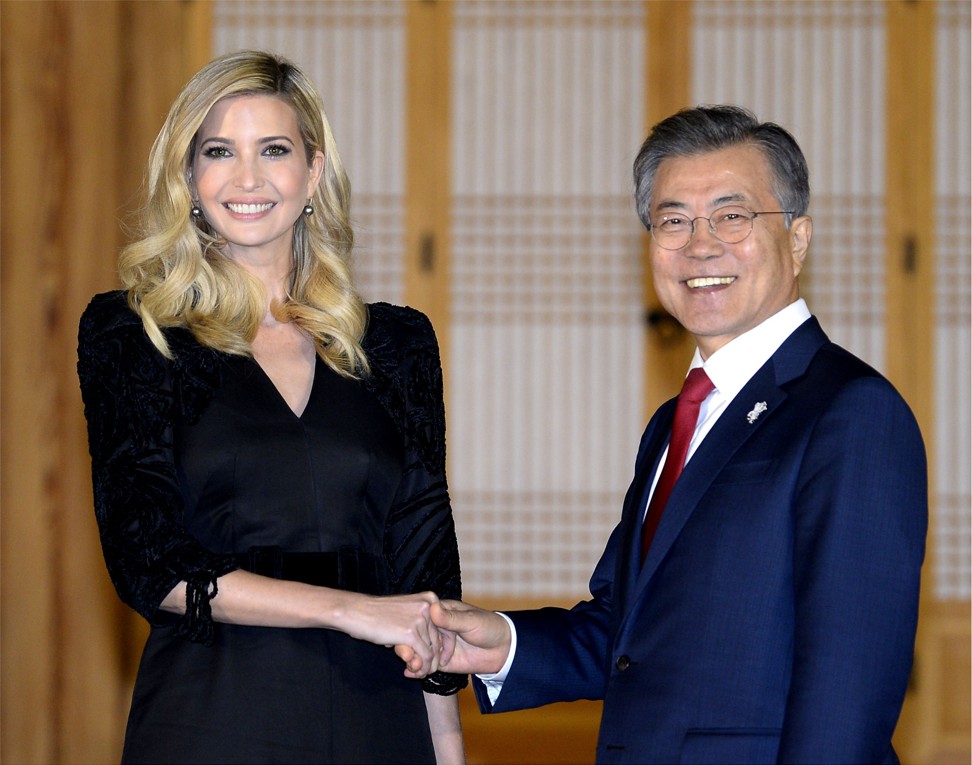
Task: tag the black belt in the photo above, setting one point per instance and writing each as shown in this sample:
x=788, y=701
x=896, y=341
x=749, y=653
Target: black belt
x=346, y=569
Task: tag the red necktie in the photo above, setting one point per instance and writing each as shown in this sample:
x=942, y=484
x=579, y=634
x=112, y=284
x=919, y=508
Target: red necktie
x=697, y=386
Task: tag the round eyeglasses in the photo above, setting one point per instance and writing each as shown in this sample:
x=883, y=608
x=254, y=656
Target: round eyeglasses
x=729, y=225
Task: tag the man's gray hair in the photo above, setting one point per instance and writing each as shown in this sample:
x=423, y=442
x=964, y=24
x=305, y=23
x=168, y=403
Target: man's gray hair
x=710, y=128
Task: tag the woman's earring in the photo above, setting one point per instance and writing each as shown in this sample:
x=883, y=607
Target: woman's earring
x=196, y=211
x=308, y=210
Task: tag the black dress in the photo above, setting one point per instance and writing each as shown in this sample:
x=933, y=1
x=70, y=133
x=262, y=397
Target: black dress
x=200, y=467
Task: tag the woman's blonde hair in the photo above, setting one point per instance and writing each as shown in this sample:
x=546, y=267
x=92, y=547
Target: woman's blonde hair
x=176, y=274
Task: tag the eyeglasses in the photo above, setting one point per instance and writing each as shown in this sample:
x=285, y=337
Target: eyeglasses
x=729, y=224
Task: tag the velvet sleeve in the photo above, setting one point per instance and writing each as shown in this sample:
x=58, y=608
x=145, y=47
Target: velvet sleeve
x=130, y=402
x=420, y=540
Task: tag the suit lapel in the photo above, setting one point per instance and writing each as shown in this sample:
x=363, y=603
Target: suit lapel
x=656, y=437
x=728, y=436
x=651, y=453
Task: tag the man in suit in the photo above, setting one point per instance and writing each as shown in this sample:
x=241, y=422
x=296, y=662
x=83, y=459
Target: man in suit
x=766, y=611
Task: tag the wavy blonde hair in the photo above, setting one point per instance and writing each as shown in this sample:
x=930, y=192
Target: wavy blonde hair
x=176, y=274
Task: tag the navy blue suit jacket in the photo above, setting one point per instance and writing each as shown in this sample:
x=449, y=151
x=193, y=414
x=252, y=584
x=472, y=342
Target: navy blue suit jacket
x=774, y=617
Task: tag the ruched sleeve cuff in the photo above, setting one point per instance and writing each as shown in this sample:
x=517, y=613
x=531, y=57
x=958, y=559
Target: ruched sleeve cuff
x=444, y=683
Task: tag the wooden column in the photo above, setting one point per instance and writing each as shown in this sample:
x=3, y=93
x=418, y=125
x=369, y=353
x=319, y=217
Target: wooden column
x=668, y=347
x=428, y=179
x=84, y=89
x=910, y=204
x=934, y=726
x=910, y=265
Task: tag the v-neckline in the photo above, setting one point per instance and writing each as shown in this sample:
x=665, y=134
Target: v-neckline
x=280, y=397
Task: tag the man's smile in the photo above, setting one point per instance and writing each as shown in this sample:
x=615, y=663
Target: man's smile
x=709, y=281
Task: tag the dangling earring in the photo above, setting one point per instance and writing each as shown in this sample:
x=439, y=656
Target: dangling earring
x=196, y=211
x=308, y=210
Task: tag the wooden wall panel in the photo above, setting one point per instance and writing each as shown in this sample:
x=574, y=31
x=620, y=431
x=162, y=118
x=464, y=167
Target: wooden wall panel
x=669, y=34
x=25, y=585
x=83, y=237
x=910, y=250
x=84, y=89
x=61, y=194
x=427, y=171
x=910, y=218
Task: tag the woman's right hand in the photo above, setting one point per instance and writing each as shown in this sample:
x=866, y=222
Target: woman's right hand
x=394, y=620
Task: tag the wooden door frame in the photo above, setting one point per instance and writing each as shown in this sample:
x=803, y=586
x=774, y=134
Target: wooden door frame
x=428, y=178
x=668, y=67
x=934, y=725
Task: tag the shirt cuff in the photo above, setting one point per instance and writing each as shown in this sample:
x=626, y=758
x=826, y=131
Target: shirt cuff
x=494, y=682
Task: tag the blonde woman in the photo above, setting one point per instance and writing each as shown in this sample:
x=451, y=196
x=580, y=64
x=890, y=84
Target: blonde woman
x=268, y=452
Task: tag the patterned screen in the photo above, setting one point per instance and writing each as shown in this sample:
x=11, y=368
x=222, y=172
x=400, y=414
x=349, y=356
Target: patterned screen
x=546, y=372
x=952, y=476
x=355, y=54
x=818, y=70
x=545, y=379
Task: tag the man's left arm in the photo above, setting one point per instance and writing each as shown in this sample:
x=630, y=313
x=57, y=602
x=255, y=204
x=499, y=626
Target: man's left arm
x=861, y=516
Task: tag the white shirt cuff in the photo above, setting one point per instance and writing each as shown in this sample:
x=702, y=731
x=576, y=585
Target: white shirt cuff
x=494, y=682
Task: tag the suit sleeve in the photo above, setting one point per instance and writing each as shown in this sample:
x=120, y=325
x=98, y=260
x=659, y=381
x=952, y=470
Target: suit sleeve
x=861, y=517
x=128, y=399
x=565, y=655
x=562, y=654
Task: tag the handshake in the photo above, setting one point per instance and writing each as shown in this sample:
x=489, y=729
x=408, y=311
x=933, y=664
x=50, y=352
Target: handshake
x=464, y=640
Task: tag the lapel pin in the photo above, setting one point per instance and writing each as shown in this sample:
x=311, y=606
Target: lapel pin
x=757, y=410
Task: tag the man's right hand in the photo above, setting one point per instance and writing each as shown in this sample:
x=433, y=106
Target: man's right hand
x=474, y=641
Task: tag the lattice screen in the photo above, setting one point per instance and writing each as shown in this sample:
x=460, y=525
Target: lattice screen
x=355, y=54
x=818, y=70
x=953, y=477
x=546, y=371
x=545, y=377
x=546, y=374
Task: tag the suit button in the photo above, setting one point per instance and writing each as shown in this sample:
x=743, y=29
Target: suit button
x=622, y=663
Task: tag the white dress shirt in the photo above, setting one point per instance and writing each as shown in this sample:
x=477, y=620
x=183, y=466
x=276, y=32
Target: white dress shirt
x=729, y=368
